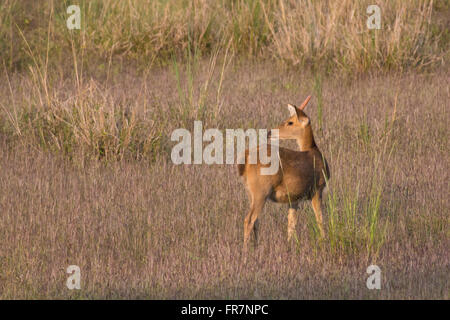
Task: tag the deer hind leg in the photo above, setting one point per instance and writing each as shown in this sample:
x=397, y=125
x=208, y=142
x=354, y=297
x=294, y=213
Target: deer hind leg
x=292, y=222
x=255, y=233
x=316, y=202
x=250, y=222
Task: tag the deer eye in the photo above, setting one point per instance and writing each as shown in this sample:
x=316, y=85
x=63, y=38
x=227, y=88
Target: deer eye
x=290, y=123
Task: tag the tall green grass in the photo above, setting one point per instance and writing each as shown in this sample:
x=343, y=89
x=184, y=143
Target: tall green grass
x=81, y=122
x=353, y=221
x=193, y=92
x=85, y=121
x=326, y=35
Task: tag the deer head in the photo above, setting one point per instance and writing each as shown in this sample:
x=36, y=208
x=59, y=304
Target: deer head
x=297, y=127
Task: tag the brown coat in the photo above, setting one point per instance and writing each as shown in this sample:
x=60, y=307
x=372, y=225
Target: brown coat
x=302, y=174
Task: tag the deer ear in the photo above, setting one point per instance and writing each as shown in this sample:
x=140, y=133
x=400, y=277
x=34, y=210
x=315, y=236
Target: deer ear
x=304, y=103
x=292, y=110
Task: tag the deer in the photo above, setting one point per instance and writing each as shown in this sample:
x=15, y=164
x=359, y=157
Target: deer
x=302, y=175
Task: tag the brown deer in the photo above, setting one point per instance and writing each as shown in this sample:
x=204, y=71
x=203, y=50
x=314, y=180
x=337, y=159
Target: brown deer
x=302, y=175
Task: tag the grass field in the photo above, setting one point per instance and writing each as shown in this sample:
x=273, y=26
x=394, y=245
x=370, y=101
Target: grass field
x=86, y=176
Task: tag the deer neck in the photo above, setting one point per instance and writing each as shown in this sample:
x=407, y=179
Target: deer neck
x=306, y=141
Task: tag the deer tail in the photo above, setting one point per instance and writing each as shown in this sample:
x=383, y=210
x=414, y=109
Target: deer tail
x=241, y=169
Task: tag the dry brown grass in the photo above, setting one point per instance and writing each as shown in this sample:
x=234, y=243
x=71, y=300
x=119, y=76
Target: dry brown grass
x=85, y=170
x=149, y=229
x=328, y=35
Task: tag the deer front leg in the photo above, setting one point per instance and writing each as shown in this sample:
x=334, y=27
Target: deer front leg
x=316, y=202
